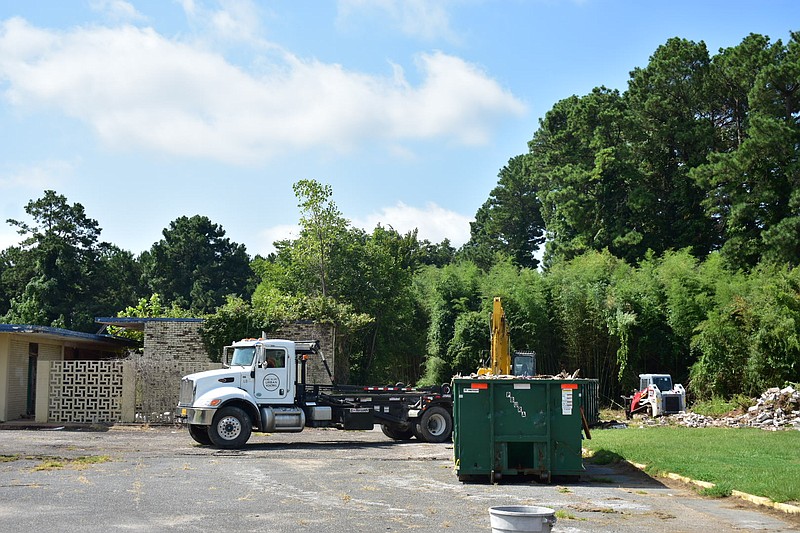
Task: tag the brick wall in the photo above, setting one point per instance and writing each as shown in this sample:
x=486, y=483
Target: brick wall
x=174, y=340
x=172, y=349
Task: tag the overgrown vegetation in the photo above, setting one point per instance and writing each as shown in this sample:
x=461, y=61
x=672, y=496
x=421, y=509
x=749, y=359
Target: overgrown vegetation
x=754, y=461
x=670, y=212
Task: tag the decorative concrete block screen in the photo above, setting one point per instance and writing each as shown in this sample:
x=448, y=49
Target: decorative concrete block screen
x=85, y=391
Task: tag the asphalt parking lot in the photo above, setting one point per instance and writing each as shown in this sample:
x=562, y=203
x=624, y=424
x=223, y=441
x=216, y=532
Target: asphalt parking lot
x=158, y=479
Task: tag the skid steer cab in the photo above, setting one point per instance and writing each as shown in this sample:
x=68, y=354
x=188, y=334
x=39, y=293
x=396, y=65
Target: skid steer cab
x=656, y=396
x=263, y=387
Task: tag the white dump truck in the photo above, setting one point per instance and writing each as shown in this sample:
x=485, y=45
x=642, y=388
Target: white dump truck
x=263, y=387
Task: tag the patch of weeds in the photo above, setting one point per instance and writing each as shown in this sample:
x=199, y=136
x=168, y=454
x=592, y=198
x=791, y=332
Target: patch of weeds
x=90, y=460
x=49, y=464
x=9, y=458
x=79, y=463
x=346, y=498
x=720, y=490
x=566, y=515
x=564, y=490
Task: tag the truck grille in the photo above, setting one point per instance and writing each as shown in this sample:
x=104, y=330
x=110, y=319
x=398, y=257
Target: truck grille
x=187, y=392
x=672, y=404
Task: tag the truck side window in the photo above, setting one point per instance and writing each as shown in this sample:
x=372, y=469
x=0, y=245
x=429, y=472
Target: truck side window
x=275, y=358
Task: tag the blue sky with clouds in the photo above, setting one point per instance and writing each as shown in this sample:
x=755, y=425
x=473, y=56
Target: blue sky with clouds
x=144, y=111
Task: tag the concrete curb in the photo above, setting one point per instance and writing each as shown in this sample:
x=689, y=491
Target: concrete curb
x=758, y=500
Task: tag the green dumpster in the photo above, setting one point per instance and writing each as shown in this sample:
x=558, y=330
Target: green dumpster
x=517, y=427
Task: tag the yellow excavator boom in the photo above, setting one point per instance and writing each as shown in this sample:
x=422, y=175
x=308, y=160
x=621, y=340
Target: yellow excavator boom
x=501, y=341
x=500, y=362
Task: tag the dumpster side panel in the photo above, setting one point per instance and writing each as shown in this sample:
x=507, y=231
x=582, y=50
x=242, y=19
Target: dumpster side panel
x=506, y=427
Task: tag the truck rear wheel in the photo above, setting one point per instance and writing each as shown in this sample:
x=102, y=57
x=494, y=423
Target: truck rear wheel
x=230, y=428
x=200, y=434
x=396, y=432
x=435, y=425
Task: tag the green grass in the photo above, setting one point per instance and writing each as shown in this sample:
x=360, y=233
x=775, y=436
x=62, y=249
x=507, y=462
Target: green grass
x=758, y=462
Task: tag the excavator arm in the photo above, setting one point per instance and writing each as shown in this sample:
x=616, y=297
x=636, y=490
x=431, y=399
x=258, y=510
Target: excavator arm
x=500, y=362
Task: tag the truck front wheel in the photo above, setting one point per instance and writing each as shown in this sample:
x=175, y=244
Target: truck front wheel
x=200, y=434
x=230, y=428
x=435, y=425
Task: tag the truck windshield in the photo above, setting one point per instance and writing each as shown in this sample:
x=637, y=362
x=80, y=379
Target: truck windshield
x=664, y=383
x=243, y=356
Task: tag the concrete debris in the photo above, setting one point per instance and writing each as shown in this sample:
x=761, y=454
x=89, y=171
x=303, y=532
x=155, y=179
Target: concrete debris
x=776, y=409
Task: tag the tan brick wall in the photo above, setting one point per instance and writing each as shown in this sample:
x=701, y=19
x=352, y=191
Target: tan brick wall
x=174, y=340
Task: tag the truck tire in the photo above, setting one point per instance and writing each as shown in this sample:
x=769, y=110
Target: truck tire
x=435, y=425
x=200, y=434
x=230, y=428
x=396, y=432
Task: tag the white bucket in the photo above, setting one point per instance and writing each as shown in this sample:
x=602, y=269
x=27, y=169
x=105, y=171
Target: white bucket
x=521, y=518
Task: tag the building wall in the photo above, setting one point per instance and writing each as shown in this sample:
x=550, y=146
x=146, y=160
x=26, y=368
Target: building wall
x=5, y=343
x=174, y=340
x=16, y=391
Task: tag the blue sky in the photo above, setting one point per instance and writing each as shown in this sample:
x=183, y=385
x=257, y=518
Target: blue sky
x=145, y=111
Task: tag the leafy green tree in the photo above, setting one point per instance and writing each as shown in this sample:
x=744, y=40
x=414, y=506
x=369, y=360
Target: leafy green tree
x=234, y=320
x=196, y=266
x=60, y=275
x=753, y=185
x=445, y=294
x=322, y=231
x=582, y=169
x=672, y=132
x=510, y=221
x=581, y=290
x=152, y=307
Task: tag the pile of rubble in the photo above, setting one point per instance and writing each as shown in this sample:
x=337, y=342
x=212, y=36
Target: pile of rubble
x=776, y=409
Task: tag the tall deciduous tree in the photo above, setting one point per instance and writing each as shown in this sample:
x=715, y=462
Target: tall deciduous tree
x=195, y=266
x=322, y=230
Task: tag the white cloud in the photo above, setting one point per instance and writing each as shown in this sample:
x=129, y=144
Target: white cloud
x=434, y=222
x=43, y=175
x=233, y=21
x=268, y=236
x=138, y=89
x=417, y=18
x=118, y=10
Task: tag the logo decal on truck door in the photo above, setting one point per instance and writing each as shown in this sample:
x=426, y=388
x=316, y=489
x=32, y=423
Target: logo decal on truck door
x=271, y=382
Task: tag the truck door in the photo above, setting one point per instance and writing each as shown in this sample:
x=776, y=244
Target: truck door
x=273, y=376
